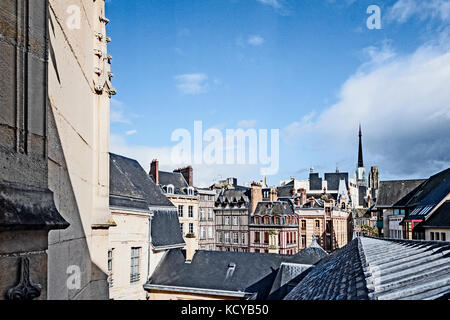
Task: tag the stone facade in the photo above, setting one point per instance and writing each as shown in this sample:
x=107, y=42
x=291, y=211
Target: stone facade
x=130, y=236
x=27, y=205
x=79, y=93
x=207, y=227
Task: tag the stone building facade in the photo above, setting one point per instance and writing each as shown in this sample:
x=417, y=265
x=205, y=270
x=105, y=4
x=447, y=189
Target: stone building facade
x=324, y=220
x=28, y=207
x=79, y=100
x=207, y=226
x=273, y=228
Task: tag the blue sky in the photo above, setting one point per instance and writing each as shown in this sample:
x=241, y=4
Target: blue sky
x=311, y=69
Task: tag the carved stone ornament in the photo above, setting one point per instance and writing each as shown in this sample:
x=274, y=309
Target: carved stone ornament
x=25, y=290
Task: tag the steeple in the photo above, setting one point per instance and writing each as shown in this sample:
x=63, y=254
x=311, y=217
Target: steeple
x=360, y=152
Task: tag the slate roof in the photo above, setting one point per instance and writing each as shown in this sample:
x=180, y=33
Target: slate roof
x=233, y=195
x=432, y=191
x=274, y=208
x=244, y=272
x=440, y=218
x=173, y=178
x=132, y=188
x=130, y=183
x=379, y=269
x=391, y=192
x=165, y=229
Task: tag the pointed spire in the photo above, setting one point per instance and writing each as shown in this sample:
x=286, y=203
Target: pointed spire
x=360, y=152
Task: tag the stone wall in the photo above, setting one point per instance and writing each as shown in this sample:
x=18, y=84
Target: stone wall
x=79, y=94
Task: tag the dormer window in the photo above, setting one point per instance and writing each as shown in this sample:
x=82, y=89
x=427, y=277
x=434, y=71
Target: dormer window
x=170, y=189
x=190, y=191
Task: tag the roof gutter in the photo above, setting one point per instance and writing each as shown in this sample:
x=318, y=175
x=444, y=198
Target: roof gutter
x=226, y=293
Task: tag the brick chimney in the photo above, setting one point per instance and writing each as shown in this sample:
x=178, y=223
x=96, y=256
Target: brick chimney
x=256, y=195
x=273, y=195
x=188, y=174
x=154, y=170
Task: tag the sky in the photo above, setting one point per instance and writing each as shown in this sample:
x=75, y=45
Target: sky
x=311, y=69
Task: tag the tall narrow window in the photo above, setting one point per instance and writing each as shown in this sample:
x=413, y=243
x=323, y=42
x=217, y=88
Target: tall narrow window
x=191, y=211
x=202, y=214
x=182, y=229
x=210, y=233
x=180, y=211
x=135, y=256
x=235, y=238
x=257, y=240
x=210, y=214
x=191, y=228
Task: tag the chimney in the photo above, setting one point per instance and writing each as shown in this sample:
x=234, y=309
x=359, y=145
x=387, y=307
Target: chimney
x=256, y=195
x=191, y=248
x=188, y=174
x=273, y=195
x=154, y=170
x=303, y=196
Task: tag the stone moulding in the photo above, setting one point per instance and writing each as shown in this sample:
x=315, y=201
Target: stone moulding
x=26, y=289
x=28, y=208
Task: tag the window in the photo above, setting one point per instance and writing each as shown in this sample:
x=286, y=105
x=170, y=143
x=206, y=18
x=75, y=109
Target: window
x=304, y=224
x=235, y=221
x=190, y=191
x=135, y=275
x=170, y=189
x=191, y=212
x=243, y=238
x=303, y=241
x=191, y=228
x=210, y=214
x=437, y=236
x=443, y=236
x=227, y=237
x=317, y=224
x=257, y=250
x=202, y=214
x=110, y=268
x=202, y=233
x=257, y=239
x=219, y=237
x=431, y=236
x=210, y=233
x=235, y=238
x=180, y=211
x=266, y=237
x=227, y=221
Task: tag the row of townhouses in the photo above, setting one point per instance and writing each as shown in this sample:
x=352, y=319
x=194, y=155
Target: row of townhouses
x=78, y=222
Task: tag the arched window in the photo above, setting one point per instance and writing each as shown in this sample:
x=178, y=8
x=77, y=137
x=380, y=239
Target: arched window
x=170, y=189
x=190, y=191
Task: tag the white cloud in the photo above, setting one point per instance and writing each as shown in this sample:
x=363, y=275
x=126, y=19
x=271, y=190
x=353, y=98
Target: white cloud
x=246, y=124
x=403, y=10
x=117, y=112
x=194, y=83
x=131, y=132
x=403, y=103
x=273, y=3
x=255, y=40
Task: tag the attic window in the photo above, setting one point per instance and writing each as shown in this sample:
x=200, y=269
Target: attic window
x=170, y=189
x=190, y=191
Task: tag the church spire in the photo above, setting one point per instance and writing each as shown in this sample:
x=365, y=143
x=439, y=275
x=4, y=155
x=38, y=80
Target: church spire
x=360, y=152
